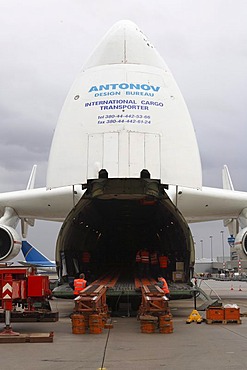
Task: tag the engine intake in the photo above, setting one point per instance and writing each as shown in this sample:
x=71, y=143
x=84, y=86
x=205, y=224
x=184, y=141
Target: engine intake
x=10, y=243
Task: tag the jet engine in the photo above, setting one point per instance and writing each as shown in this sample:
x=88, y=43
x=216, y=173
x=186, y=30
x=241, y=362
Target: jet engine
x=10, y=243
x=239, y=250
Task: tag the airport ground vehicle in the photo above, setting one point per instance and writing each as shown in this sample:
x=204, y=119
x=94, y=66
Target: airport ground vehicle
x=25, y=295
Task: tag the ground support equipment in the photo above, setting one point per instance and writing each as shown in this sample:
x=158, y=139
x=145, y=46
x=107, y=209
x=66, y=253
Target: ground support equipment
x=91, y=311
x=194, y=317
x=25, y=294
x=23, y=297
x=154, y=300
x=154, y=312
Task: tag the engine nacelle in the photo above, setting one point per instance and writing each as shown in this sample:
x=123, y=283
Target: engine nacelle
x=10, y=243
x=239, y=251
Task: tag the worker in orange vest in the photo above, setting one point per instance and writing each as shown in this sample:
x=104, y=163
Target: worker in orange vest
x=79, y=284
x=163, y=260
x=164, y=286
x=138, y=262
x=154, y=262
x=86, y=257
x=85, y=265
x=144, y=262
x=138, y=256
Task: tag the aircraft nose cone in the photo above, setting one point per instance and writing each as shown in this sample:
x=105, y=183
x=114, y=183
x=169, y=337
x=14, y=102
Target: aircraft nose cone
x=125, y=43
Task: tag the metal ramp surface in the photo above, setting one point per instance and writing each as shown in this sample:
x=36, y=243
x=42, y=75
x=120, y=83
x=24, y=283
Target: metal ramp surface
x=208, y=301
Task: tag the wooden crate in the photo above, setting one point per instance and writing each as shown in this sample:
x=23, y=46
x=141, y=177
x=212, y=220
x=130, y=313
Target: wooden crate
x=232, y=314
x=215, y=313
x=178, y=276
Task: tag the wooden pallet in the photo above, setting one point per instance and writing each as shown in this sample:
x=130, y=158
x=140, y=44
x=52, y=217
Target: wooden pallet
x=224, y=322
x=31, y=316
x=27, y=338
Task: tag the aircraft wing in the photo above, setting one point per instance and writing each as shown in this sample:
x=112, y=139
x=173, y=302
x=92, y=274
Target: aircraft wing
x=206, y=204
x=28, y=205
x=209, y=204
x=41, y=203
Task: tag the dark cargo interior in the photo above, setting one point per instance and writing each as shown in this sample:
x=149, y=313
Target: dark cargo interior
x=113, y=224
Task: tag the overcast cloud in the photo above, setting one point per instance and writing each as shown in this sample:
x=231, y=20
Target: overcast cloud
x=44, y=43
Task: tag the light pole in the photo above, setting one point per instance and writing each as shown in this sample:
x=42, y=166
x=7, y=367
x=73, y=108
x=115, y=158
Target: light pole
x=201, y=241
x=223, y=250
x=211, y=247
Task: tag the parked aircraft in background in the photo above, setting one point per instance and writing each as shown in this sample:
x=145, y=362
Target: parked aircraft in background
x=33, y=257
x=124, y=170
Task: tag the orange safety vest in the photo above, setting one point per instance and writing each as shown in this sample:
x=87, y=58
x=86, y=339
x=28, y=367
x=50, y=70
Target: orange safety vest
x=79, y=285
x=145, y=256
x=138, y=257
x=86, y=257
x=163, y=261
x=154, y=258
x=165, y=286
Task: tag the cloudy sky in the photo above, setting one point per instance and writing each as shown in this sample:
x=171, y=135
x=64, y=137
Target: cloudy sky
x=44, y=43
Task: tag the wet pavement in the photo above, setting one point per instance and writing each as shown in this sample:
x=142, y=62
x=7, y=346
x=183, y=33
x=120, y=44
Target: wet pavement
x=124, y=347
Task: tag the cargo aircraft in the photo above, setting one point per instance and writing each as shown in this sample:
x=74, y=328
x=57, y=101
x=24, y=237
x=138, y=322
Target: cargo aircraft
x=124, y=169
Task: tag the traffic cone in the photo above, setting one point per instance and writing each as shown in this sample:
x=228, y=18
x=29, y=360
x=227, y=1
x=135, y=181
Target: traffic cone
x=240, y=289
x=232, y=287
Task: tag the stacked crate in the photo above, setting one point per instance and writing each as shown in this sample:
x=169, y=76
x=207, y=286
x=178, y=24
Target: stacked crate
x=178, y=275
x=232, y=315
x=148, y=323
x=165, y=324
x=223, y=315
x=154, y=312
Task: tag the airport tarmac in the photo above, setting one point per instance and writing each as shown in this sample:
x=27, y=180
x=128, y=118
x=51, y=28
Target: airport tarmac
x=190, y=346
